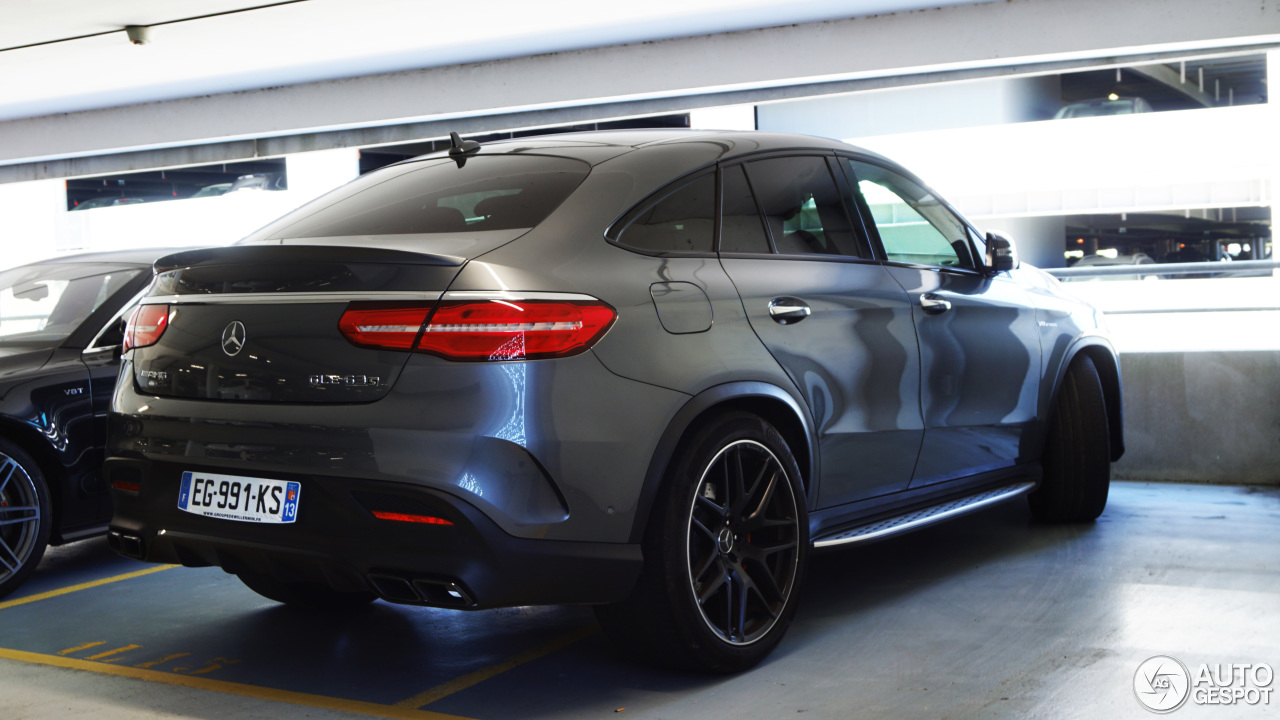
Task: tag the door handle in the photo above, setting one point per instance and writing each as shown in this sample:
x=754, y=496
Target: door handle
x=785, y=310
x=934, y=305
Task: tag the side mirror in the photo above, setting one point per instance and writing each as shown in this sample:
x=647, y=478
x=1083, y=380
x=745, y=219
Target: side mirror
x=1002, y=255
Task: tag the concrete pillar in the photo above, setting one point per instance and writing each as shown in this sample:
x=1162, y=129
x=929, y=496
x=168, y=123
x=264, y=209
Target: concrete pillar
x=313, y=174
x=725, y=117
x=1270, y=142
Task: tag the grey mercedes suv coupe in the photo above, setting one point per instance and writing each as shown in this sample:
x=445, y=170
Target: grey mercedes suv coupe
x=644, y=370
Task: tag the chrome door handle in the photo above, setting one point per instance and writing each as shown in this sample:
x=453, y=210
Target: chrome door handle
x=933, y=304
x=786, y=310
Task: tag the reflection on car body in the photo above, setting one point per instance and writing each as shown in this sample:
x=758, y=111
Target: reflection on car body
x=643, y=370
x=61, y=326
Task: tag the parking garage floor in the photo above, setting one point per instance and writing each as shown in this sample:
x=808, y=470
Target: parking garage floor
x=989, y=616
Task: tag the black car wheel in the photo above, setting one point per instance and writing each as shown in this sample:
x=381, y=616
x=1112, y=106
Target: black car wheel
x=725, y=553
x=1077, y=454
x=24, y=516
x=311, y=596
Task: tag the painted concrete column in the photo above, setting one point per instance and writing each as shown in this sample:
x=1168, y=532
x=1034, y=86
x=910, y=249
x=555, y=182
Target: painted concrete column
x=312, y=174
x=1270, y=142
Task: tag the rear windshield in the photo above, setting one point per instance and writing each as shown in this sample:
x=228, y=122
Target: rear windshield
x=489, y=192
x=43, y=304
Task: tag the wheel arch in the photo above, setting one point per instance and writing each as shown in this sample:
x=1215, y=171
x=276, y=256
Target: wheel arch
x=32, y=441
x=1107, y=362
x=770, y=402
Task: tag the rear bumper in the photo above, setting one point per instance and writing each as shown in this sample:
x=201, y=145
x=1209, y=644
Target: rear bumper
x=337, y=542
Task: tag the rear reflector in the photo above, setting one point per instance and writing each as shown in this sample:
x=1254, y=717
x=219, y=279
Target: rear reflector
x=379, y=325
x=145, y=326
x=405, y=517
x=515, y=329
x=126, y=486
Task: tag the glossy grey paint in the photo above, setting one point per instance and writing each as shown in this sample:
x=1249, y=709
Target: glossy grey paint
x=469, y=429
x=855, y=361
x=682, y=307
x=980, y=371
x=575, y=448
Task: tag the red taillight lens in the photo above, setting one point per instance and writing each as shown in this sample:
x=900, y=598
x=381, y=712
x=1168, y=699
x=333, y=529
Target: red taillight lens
x=481, y=329
x=383, y=326
x=515, y=329
x=145, y=326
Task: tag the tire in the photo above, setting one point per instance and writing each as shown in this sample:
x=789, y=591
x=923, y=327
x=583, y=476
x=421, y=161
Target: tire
x=729, y=527
x=310, y=596
x=26, y=516
x=1077, y=453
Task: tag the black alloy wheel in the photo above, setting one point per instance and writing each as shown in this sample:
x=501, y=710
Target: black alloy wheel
x=24, y=516
x=744, y=542
x=725, y=550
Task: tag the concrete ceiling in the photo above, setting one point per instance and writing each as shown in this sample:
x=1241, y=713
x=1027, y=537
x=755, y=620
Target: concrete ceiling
x=61, y=56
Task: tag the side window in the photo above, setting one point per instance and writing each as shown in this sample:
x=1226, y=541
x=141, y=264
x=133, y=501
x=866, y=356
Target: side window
x=681, y=220
x=914, y=227
x=802, y=206
x=741, y=230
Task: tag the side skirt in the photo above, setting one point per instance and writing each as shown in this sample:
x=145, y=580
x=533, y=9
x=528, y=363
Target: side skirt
x=883, y=527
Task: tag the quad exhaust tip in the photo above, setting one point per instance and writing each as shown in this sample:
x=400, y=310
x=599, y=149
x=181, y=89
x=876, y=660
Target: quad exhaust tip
x=126, y=545
x=421, y=591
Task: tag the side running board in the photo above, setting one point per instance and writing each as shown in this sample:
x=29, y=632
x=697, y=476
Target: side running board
x=925, y=516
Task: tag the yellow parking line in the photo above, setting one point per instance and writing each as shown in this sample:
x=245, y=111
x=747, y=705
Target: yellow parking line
x=78, y=648
x=252, y=691
x=83, y=586
x=462, y=683
x=109, y=653
x=161, y=661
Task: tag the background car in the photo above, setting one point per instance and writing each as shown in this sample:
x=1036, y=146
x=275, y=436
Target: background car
x=1104, y=261
x=1104, y=106
x=213, y=190
x=107, y=202
x=61, y=328
x=644, y=370
x=259, y=181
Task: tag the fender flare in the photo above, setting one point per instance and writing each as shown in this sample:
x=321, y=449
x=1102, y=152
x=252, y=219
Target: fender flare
x=728, y=395
x=1099, y=349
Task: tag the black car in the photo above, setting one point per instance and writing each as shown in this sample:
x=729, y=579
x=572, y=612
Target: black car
x=61, y=329
x=642, y=370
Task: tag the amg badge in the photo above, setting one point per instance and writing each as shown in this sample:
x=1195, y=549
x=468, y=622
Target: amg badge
x=345, y=380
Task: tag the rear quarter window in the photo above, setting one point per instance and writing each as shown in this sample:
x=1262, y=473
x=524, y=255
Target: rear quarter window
x=677, y=219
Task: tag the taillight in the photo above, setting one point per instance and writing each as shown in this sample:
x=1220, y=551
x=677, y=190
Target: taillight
x=145, y=326
x=514, y=329
x=378, y=325
x=481, y=329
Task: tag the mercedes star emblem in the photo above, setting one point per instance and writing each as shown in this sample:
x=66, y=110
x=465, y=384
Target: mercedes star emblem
x=233, y=338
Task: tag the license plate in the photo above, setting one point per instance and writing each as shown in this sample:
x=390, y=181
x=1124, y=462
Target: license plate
x=244, y=499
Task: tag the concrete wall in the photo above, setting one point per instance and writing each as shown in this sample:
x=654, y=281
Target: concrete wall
x=1202, y=417
x=916, y=109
